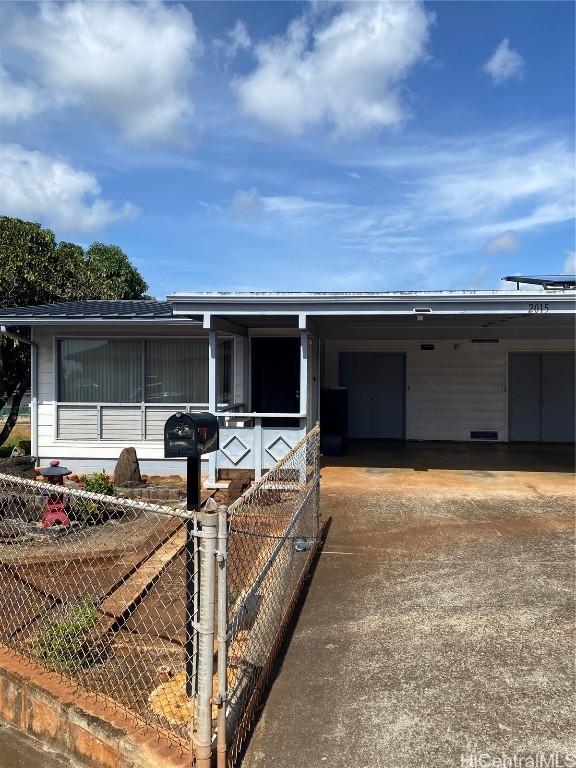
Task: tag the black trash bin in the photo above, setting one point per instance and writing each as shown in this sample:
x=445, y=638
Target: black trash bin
x=333, y=420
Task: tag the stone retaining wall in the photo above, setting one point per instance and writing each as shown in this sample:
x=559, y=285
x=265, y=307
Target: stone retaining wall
x=47, y=707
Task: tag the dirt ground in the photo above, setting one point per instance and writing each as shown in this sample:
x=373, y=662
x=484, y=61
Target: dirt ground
x=439, y=623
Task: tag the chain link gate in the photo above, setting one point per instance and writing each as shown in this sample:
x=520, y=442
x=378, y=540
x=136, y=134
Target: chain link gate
x=103, y=602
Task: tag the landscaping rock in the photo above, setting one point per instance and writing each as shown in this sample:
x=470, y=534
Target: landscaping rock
x=127, y=470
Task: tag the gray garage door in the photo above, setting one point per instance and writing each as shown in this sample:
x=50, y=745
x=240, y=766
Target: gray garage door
x=375, y=383
x=541, y=397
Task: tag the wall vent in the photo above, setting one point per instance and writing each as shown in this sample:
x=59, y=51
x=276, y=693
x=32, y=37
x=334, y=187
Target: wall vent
x=486, y=434
x=427, y=347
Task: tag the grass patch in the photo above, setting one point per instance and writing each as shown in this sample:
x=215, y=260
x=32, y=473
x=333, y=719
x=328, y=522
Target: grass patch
x=20, y=432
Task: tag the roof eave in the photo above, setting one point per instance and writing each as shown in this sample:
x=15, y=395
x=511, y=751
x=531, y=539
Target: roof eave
x=362, y=298
x=33, y=321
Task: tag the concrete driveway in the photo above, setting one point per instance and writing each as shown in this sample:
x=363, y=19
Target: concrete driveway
x=438, y=627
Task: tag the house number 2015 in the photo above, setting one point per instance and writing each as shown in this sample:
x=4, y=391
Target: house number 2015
x=537, y=308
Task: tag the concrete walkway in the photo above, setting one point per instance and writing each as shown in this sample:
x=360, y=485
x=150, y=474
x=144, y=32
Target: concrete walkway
x=438, y=624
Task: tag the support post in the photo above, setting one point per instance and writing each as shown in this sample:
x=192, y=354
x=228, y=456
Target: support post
x=193, y=484
x=303, y=394
x=222, y=629
x=34, y=398
x=202, y=736
x=304, y=372
x=212, y=393
x=257, y=448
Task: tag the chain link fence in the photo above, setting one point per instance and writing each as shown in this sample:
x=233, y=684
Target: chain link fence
x=102, y=601
x=171, y=616
x=273, y=533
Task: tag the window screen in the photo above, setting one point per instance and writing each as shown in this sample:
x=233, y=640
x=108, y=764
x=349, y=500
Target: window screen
x=100, y=371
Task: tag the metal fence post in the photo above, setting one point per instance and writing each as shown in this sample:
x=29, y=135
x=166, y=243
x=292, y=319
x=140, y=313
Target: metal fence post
x=202, y=735
x=221, y=557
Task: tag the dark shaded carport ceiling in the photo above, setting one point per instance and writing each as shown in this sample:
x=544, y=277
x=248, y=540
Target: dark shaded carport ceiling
x=430, y=326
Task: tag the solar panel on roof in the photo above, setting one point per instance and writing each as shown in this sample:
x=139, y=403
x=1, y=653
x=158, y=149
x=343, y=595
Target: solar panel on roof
x=546, y=281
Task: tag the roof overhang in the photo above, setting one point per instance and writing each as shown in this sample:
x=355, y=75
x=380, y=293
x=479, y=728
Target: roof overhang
x=102, y=322
x=349, y=304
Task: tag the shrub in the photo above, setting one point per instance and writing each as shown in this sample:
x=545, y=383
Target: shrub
x=90, y=512
x=66, y=642
x=99, y=482
x=87, y=512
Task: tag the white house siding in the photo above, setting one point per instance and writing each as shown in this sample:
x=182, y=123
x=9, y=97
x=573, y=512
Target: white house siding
x=457, y=388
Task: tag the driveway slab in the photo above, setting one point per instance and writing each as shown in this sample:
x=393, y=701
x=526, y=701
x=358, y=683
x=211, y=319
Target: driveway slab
x=438, y=627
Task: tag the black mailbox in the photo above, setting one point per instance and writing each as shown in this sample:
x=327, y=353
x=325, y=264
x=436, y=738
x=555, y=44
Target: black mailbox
x=190, y=434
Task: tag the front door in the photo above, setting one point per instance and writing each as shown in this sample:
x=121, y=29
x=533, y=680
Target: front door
x=376, y=393
x=275, y=374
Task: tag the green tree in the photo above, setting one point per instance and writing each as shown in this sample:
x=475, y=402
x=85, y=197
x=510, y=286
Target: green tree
x=34, y=269
x=112, y=276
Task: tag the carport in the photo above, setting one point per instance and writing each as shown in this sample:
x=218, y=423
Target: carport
x=438, y=624
x=453, y=376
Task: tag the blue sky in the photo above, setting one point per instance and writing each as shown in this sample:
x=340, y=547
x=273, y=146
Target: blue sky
x=291, y=146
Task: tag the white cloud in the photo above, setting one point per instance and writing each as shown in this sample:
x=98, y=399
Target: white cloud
x=19, y=101
x=293, y=205
x=344, y=71
x=507, y=241
x=504, y=64
x=248, y=203
x=478, y=188
x=436, y=201
x=238, y=39
x=235, y=40
x=537, y=218
x=129, y=63
x=454, y=195
x=37, y=186
x=570, y=264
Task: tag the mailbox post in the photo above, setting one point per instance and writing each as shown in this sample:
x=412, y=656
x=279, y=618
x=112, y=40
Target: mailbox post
x=190, y=436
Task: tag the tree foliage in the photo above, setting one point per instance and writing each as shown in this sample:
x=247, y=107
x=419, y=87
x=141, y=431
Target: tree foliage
x=35, y=269
x=112, y=274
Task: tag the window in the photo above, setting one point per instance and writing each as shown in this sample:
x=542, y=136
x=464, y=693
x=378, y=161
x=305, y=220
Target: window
x=173, y=371
x=176, y=370
x=100, y=371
